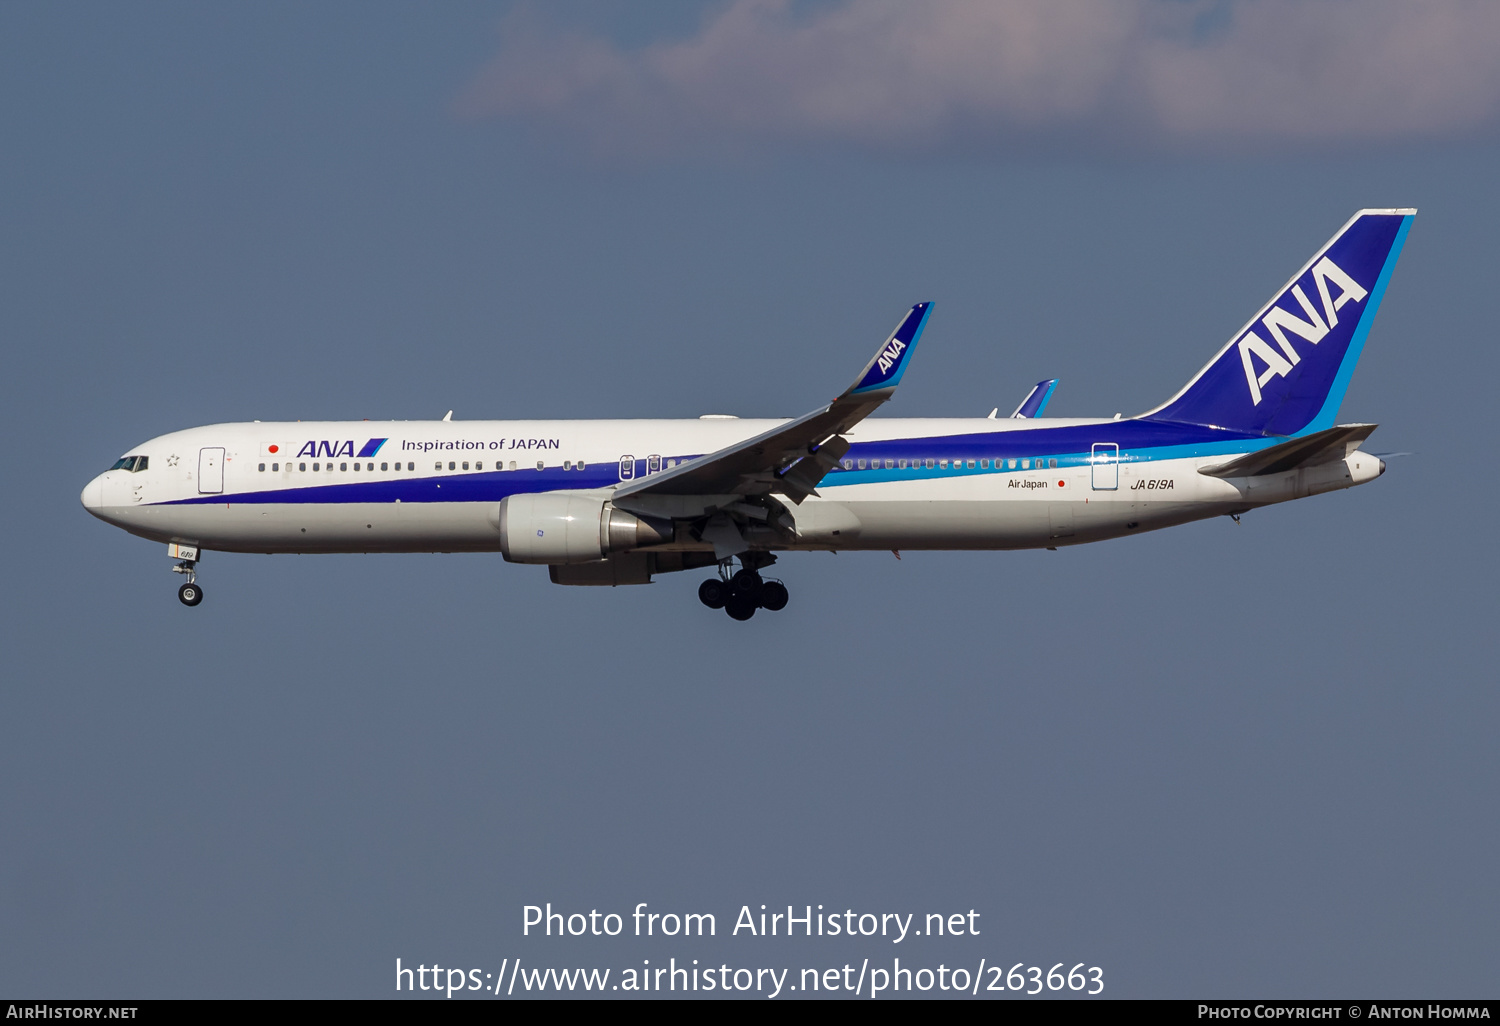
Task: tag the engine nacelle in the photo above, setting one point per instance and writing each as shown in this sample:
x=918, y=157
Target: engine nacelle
x=550, y=527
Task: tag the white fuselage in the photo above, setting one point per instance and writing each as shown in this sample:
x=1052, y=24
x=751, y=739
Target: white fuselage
x=905, y=484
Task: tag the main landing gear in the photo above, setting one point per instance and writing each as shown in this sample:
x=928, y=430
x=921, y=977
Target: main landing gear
x=742, y=593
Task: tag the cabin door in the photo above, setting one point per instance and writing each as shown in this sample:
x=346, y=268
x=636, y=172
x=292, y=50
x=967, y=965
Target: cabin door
x=210, y=471
x=1105, y=461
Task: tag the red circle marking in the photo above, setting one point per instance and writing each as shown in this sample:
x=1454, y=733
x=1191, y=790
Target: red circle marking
x=270, y=448
x=1060, y=484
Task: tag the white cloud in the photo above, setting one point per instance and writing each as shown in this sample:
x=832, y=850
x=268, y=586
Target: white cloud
x=913, y=76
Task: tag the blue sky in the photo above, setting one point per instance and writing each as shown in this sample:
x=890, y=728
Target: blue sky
x=1231, y=760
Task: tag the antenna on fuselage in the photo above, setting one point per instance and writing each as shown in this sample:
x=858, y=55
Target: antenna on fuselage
x=447, y=416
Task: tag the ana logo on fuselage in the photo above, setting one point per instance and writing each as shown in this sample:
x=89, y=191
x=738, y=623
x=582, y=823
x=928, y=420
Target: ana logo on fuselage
x=330, y=449
x=335, y=449
x=1279, y=321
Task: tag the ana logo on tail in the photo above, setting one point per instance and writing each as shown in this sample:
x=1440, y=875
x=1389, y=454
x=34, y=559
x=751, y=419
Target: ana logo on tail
x=1279, y=321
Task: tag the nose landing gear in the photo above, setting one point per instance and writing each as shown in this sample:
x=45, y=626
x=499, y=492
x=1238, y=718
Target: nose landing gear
x=191, y=593
x=742, y=593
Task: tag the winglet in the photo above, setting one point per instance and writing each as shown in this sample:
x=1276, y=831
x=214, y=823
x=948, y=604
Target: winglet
x=1036, y=402
x=883, y=373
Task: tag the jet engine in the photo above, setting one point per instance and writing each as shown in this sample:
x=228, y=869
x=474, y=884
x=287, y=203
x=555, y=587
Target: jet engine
x=553, y=527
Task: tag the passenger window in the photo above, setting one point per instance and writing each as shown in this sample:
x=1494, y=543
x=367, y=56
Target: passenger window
x=890, y=464
x=302, y=466
x=567, y=464
x=971, y=464
x=512, y=464
x=262, y=468
x=943, y=464
x=315, y=466
x=411, y=466
x=369, y=466
x=540, y=465
x=277, y=466
x=344, y=466
x=1052, y=464
x=848, y=464
x=861, y=464
x=579, y=465
x=929, y=463
x=385, y=466
x=356, y=467
x=438, y=465
x=451, y=465
x=466, y=464
x=1025, y=464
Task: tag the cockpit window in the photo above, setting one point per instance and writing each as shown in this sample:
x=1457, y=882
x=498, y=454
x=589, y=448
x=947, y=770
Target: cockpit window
x=134, y=464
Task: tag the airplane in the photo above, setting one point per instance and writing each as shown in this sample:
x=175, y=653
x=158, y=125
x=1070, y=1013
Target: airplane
x=615, y=502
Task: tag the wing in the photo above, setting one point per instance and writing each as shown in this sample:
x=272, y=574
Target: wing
x=790, y=459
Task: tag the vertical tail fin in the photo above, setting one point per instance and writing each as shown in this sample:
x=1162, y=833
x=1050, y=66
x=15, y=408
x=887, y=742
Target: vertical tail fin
x=1285, y=372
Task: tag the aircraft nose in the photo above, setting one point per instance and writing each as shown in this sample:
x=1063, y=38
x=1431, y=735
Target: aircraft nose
x=93, y=495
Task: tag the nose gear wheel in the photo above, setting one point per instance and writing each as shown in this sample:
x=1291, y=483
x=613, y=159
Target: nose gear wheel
x=191, y=593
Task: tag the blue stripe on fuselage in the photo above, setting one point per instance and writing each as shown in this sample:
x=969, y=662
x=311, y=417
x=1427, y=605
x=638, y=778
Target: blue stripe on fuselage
x=486, y=486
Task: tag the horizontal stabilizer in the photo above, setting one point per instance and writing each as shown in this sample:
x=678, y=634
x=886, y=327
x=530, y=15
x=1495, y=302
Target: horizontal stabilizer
x=1308, y=451
x=1036, y=402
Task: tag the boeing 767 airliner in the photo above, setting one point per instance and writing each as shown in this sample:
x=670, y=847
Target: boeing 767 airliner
x=612, y=502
